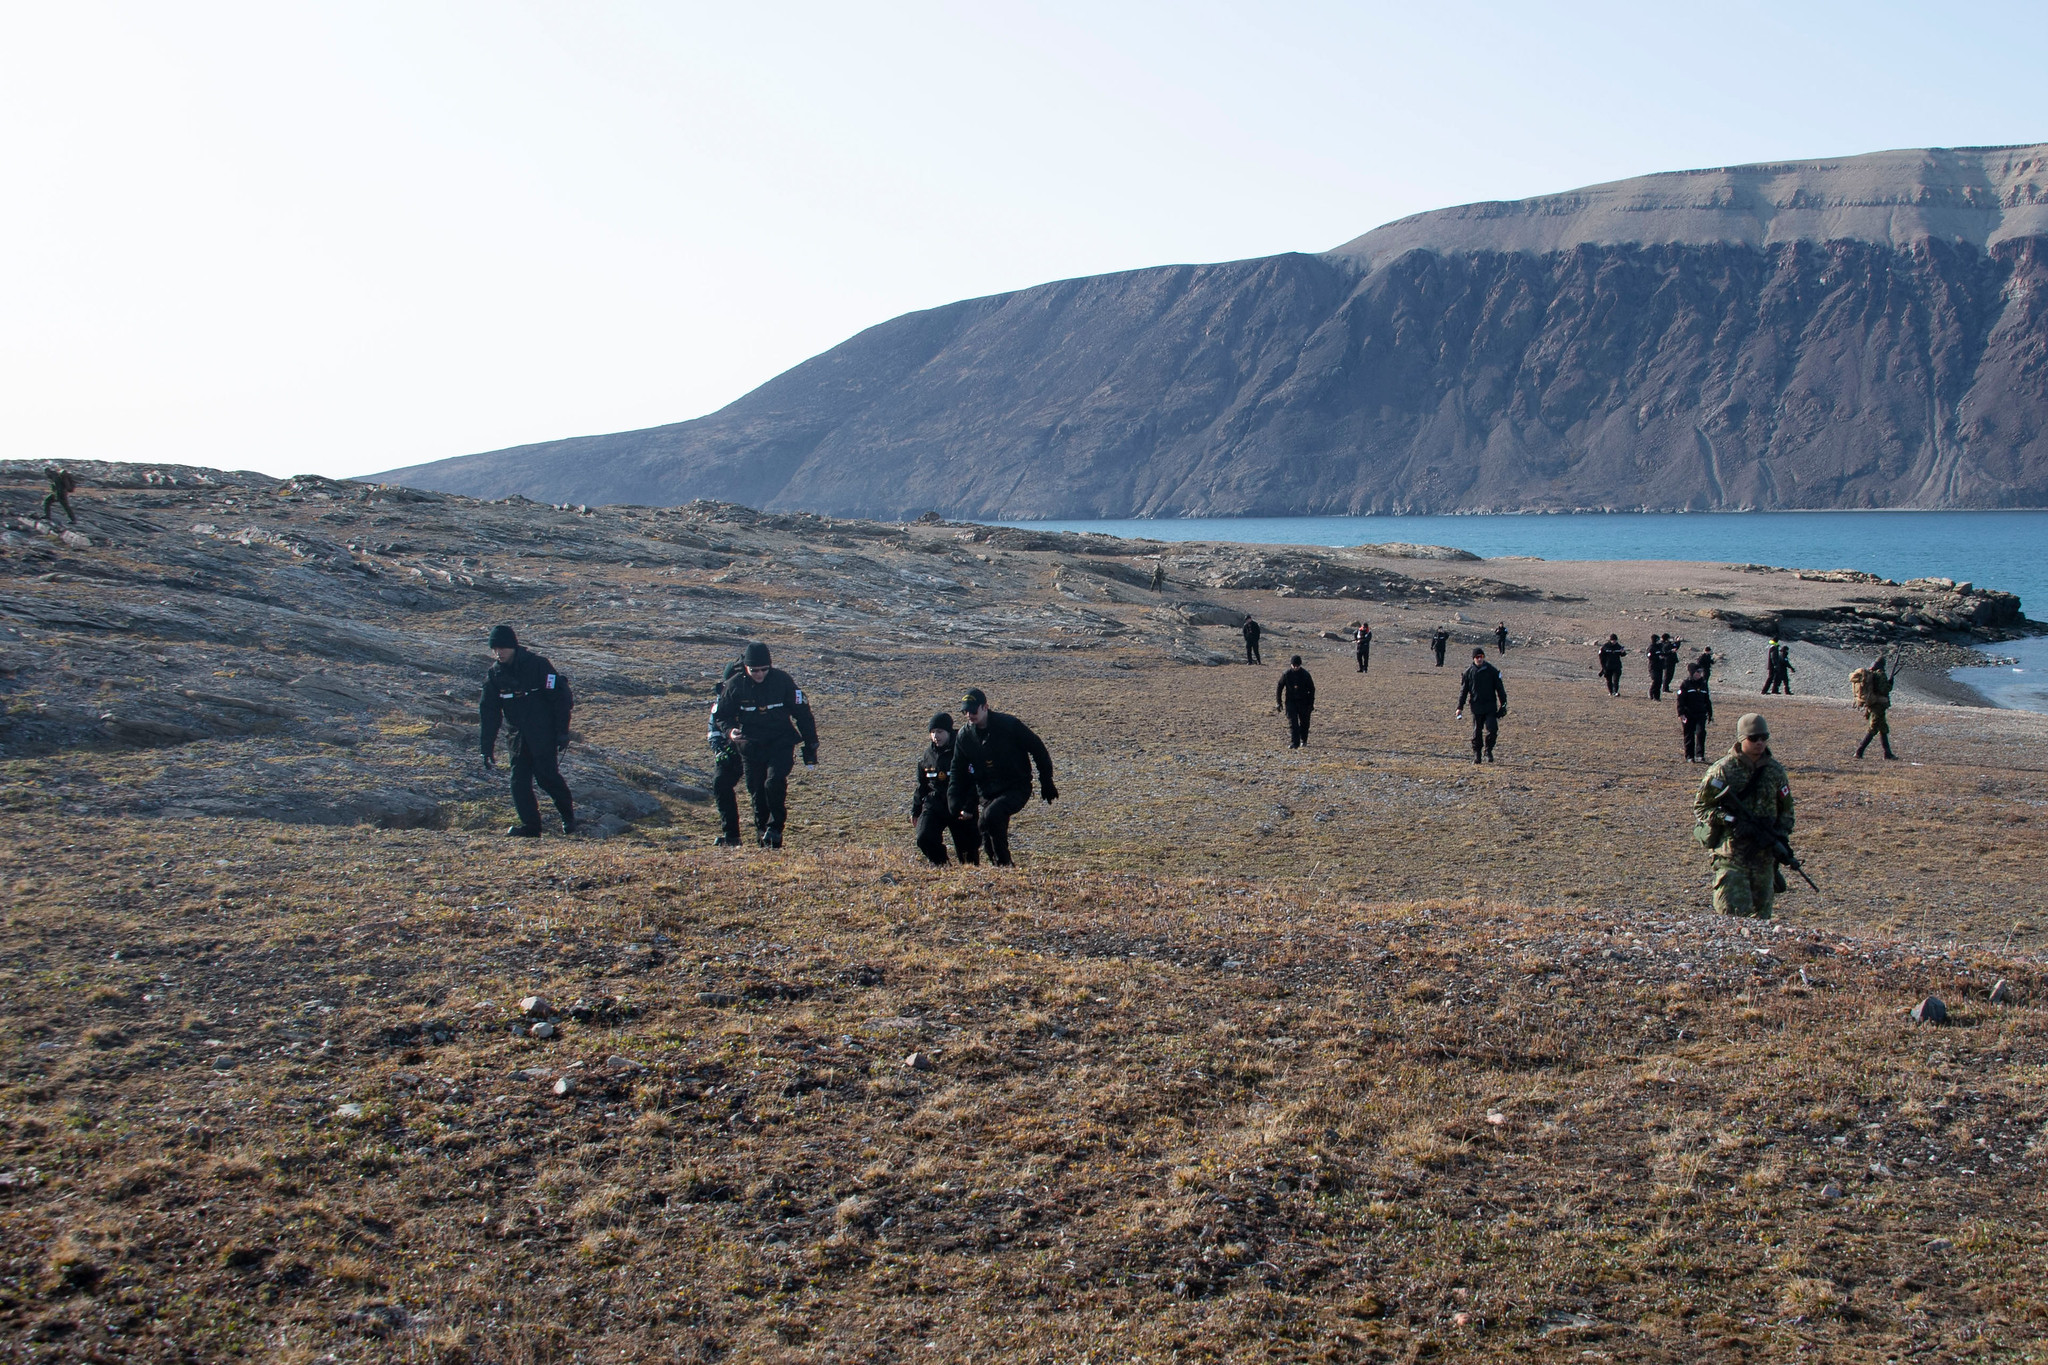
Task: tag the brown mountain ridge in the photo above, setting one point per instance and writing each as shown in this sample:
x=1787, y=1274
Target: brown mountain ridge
x=1865, y=332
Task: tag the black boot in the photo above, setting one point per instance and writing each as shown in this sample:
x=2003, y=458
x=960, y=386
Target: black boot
x=524, y=831
x=1861, y=747
x=1887, y=742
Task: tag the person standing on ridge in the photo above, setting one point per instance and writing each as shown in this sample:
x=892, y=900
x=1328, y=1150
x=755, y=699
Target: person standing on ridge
x=1295, y=694
x=1488, y=695
x=1872, y=690
x=1437, y=643
x=63, y=483
x=1610, y=664
x=1746, y=876
x=523, y=690
x=991, y=768
x=1695, y=713
x=1251, y=640
x=1362, y=638
x=762, y=712
x=931, y=811
x=1500, y=638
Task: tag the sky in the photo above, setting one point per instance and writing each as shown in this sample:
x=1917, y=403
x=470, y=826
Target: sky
x=337, y=238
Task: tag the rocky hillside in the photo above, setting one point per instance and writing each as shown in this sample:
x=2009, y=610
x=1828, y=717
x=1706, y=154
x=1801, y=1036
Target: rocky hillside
x=1859, y=333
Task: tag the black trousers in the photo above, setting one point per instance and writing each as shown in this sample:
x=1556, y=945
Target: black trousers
x=530, y=766
x=1297, y=728
x=1613, y=682
x=724, y=779
x=1695, y=737
x=1365, y=656
x=932, y=824
x=1251, y=649
x=54, y=496
x=767, y=774
x=995, y=822
x=1485, y=730
x=1440, y=654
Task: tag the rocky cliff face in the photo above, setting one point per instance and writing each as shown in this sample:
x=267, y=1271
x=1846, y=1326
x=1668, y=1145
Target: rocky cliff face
x=1867, y=333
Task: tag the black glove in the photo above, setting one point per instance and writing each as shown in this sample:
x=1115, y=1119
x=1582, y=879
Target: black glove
x=1048, y=791
x=490, y=762
x=562, y=745
x=1502, y=712
x=810, y=755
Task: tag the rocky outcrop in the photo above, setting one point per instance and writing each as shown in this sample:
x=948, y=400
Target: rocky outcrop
x=1916, y=611
x=1863, y=333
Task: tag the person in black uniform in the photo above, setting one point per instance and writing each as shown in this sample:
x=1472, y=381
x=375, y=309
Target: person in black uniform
x=1500, y=638
x=1610, y=664
x=1295, y=694
x=1482, y=686
x=1654, y=659
x=991, y=769
x=1670, y=659
x=930, y=809
x=1362, y=637
x=1437, y=642
x=762, y=712
x=63, y=483
x=1251, y=640
x=1695, y=714
x=524, y=691
x=727, y=767
x=1705, y=664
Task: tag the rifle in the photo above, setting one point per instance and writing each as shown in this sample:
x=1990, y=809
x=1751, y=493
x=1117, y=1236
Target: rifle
x=1749, y=823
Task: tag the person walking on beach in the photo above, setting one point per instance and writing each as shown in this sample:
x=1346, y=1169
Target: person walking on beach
x=1251, y=640
x=1295, y=694
x=1671, y=648
x=1872, y=690
x=1500, y=638
x=1695, y=713
x=1785, y=669
x=1361, y=637
x=1488, y=695
x=990, y=777
x=1746, y=876
x=1654, y=658
x=1610, y=664
x=1437, y=643
x=1705, y=664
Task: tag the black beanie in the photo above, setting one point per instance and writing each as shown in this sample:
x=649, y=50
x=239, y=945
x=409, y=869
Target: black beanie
x=503, y=638
x=941, y=721
x=757, y=655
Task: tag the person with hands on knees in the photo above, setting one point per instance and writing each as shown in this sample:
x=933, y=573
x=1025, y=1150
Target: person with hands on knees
x=762, y=712
x=991, y=770
x=526, y=692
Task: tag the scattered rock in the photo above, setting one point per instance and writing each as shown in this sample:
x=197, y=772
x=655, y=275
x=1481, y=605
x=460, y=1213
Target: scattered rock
x=1831, y=1191
x=2001, y=994
x=223, y=1064
x=1930, y=1011
x=535, y=1007
x=544, y=1030
x=717, y=1000
x=618, y=1063
x=348, y=1111
x=918, y=1061
x=565, y=1086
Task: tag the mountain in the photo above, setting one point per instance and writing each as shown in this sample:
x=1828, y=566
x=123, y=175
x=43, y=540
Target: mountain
x=1866, y=332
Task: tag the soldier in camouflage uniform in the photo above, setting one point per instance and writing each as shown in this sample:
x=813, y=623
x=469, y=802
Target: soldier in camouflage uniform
x=1746, y=878
x=1875, y=697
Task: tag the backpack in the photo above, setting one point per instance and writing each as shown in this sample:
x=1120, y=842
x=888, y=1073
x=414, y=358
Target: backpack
x=1860, y=689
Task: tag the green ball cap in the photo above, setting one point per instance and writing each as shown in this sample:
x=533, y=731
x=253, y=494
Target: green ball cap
x=1752, y=726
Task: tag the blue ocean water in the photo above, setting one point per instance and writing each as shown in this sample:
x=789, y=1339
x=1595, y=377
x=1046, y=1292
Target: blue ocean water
x=2005, y=550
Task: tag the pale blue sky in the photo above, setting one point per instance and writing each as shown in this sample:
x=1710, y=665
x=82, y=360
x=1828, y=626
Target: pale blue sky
x=340, y=237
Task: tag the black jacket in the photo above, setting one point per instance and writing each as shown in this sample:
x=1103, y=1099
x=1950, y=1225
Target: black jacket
x=1251, y=629
x=934, y=771
x=1484, y=689
x=769, y=714
x=531, y=697
x=1610, y=656
x=1295, y=691
x=1694, y=701
x=996, y=760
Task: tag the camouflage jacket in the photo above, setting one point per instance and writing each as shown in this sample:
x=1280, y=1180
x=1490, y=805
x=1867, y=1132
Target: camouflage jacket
x=1769, y=796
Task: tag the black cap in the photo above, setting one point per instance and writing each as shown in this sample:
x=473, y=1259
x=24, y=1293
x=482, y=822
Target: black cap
x=757, y=655
x=503, y=638
x=974, y=700
x=1296, y=661
x=942, y=721
x=1478, y=653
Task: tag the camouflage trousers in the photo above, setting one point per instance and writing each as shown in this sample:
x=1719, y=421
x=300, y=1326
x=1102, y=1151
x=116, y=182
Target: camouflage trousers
x=1745, y=889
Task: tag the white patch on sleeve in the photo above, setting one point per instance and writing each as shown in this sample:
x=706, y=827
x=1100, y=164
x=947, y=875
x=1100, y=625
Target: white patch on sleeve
x=551, y=682
x=799, y=696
